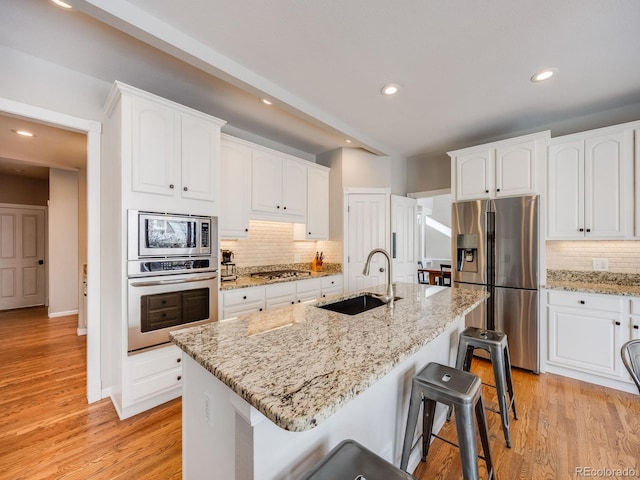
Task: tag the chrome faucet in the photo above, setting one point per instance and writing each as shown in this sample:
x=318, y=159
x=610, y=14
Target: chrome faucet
x=389, y=297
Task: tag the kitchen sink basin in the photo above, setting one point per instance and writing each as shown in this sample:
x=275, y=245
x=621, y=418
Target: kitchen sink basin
x=355, y=305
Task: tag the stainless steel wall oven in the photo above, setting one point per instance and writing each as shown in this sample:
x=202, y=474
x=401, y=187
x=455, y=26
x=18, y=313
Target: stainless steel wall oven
x=172, y=275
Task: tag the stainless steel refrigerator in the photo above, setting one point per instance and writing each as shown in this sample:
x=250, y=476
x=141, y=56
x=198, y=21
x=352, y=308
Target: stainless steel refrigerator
x=495, y=248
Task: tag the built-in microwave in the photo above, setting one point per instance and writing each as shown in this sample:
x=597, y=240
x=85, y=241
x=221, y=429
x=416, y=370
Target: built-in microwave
x=157, y=235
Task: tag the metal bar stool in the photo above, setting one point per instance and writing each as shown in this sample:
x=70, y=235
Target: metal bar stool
x=496, y=344
x=458, y=389
x=350, y=460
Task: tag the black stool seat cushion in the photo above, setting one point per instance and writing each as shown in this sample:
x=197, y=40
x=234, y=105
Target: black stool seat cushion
x=350, y=460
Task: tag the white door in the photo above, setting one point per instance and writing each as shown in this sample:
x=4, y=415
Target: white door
x=21, y=257
x=404, y=238
x=368, y=228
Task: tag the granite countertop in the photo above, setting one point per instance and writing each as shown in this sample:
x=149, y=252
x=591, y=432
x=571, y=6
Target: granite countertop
x=245, y=281
x=594, y=282
x=300, y=364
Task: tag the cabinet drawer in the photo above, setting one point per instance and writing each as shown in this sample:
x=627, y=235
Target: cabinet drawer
x=157, y=383
x=281, y=290
x=153, y=362
x=332, y=282
x=243, y=296
x=609, y=303
x=237, y=310
x=634, y=306
x=308, y=286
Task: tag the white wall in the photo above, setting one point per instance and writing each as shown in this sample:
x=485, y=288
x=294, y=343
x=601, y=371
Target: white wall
x=44, y=84
x=333, y=160
x=63, y=242
x=424, y=174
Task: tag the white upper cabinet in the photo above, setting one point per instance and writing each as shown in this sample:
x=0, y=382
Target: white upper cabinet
x=153, y=147
x=278, y=187
x=500, y=169
x=317, y=226
x=169, y=155
x=474, y=173
x=516, y=169
x=199, y=159
x=235, y=187
x=590, y=186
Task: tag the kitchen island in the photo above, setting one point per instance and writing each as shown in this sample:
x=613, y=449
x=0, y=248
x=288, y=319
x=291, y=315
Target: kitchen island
x=266, y=395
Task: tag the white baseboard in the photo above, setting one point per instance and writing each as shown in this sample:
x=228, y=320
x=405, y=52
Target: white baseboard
x=62, y=314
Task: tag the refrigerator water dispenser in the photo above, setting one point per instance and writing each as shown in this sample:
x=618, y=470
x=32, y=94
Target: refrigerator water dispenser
x=467, y=246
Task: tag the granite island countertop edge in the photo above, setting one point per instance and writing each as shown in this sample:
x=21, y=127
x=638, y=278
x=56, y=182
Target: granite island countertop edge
x=319, y=408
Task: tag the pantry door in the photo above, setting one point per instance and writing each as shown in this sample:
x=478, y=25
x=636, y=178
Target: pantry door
x=368, y=228
x=22, y=269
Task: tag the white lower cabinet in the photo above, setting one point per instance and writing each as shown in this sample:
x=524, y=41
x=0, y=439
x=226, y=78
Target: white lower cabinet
x=332, y=285
x=150, y=379
x=308, y=290
x=585, y=333
x=242, y=301
x=280, y=295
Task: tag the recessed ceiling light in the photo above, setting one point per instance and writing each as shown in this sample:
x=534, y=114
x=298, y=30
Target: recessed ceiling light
x=544, y=75
x=266, y=102
x=62, y=4
x=390, y=89
x=348, y=141
x=24, y=133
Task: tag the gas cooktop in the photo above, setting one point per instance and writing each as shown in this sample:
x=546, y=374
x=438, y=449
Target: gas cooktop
x=279, y=274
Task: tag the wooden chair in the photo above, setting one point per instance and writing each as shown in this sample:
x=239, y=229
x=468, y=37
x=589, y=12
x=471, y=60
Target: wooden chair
x=423, y=275
x=445, y=275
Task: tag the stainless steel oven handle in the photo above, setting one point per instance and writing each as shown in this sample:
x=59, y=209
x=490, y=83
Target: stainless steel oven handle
x=172, y=282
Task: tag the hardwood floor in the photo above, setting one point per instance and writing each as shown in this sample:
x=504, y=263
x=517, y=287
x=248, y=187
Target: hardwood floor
x=47, y=430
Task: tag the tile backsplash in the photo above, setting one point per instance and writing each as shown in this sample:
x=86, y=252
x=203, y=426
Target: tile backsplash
x=271, y=243
x=623, y=255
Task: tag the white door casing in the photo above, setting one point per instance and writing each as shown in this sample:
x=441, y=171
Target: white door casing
x=367, y=220
x=93, y=130
x=404, y=238
x=22, y=248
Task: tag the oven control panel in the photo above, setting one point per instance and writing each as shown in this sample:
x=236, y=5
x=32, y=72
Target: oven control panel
x=145, y=268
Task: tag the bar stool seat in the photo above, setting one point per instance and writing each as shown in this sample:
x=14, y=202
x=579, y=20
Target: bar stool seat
x=460, y=390
x=351, y=461
x=496, y=344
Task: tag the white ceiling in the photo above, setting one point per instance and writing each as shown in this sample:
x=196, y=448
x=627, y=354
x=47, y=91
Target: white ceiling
x=463, y=66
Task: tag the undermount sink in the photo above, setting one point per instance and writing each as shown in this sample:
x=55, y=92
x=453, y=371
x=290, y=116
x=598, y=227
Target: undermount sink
x=355, y=305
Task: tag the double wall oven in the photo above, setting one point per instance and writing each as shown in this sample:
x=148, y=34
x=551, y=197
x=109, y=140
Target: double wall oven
x=172, y=275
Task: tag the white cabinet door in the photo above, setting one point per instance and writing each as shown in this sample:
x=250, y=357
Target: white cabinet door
x=605, y=210
x=153, y=148
x=317, y=227
x=474, y=175
x=566, y=191
x=515, y=170
x=235, y=187
x=278, y=187
x=585, y=340
x=266, y=183
x=634, y=320
x=199, y=147
x=294, y=189
x=590, y=188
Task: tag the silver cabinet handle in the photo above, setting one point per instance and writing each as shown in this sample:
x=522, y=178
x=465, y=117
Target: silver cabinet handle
x=172, y=282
